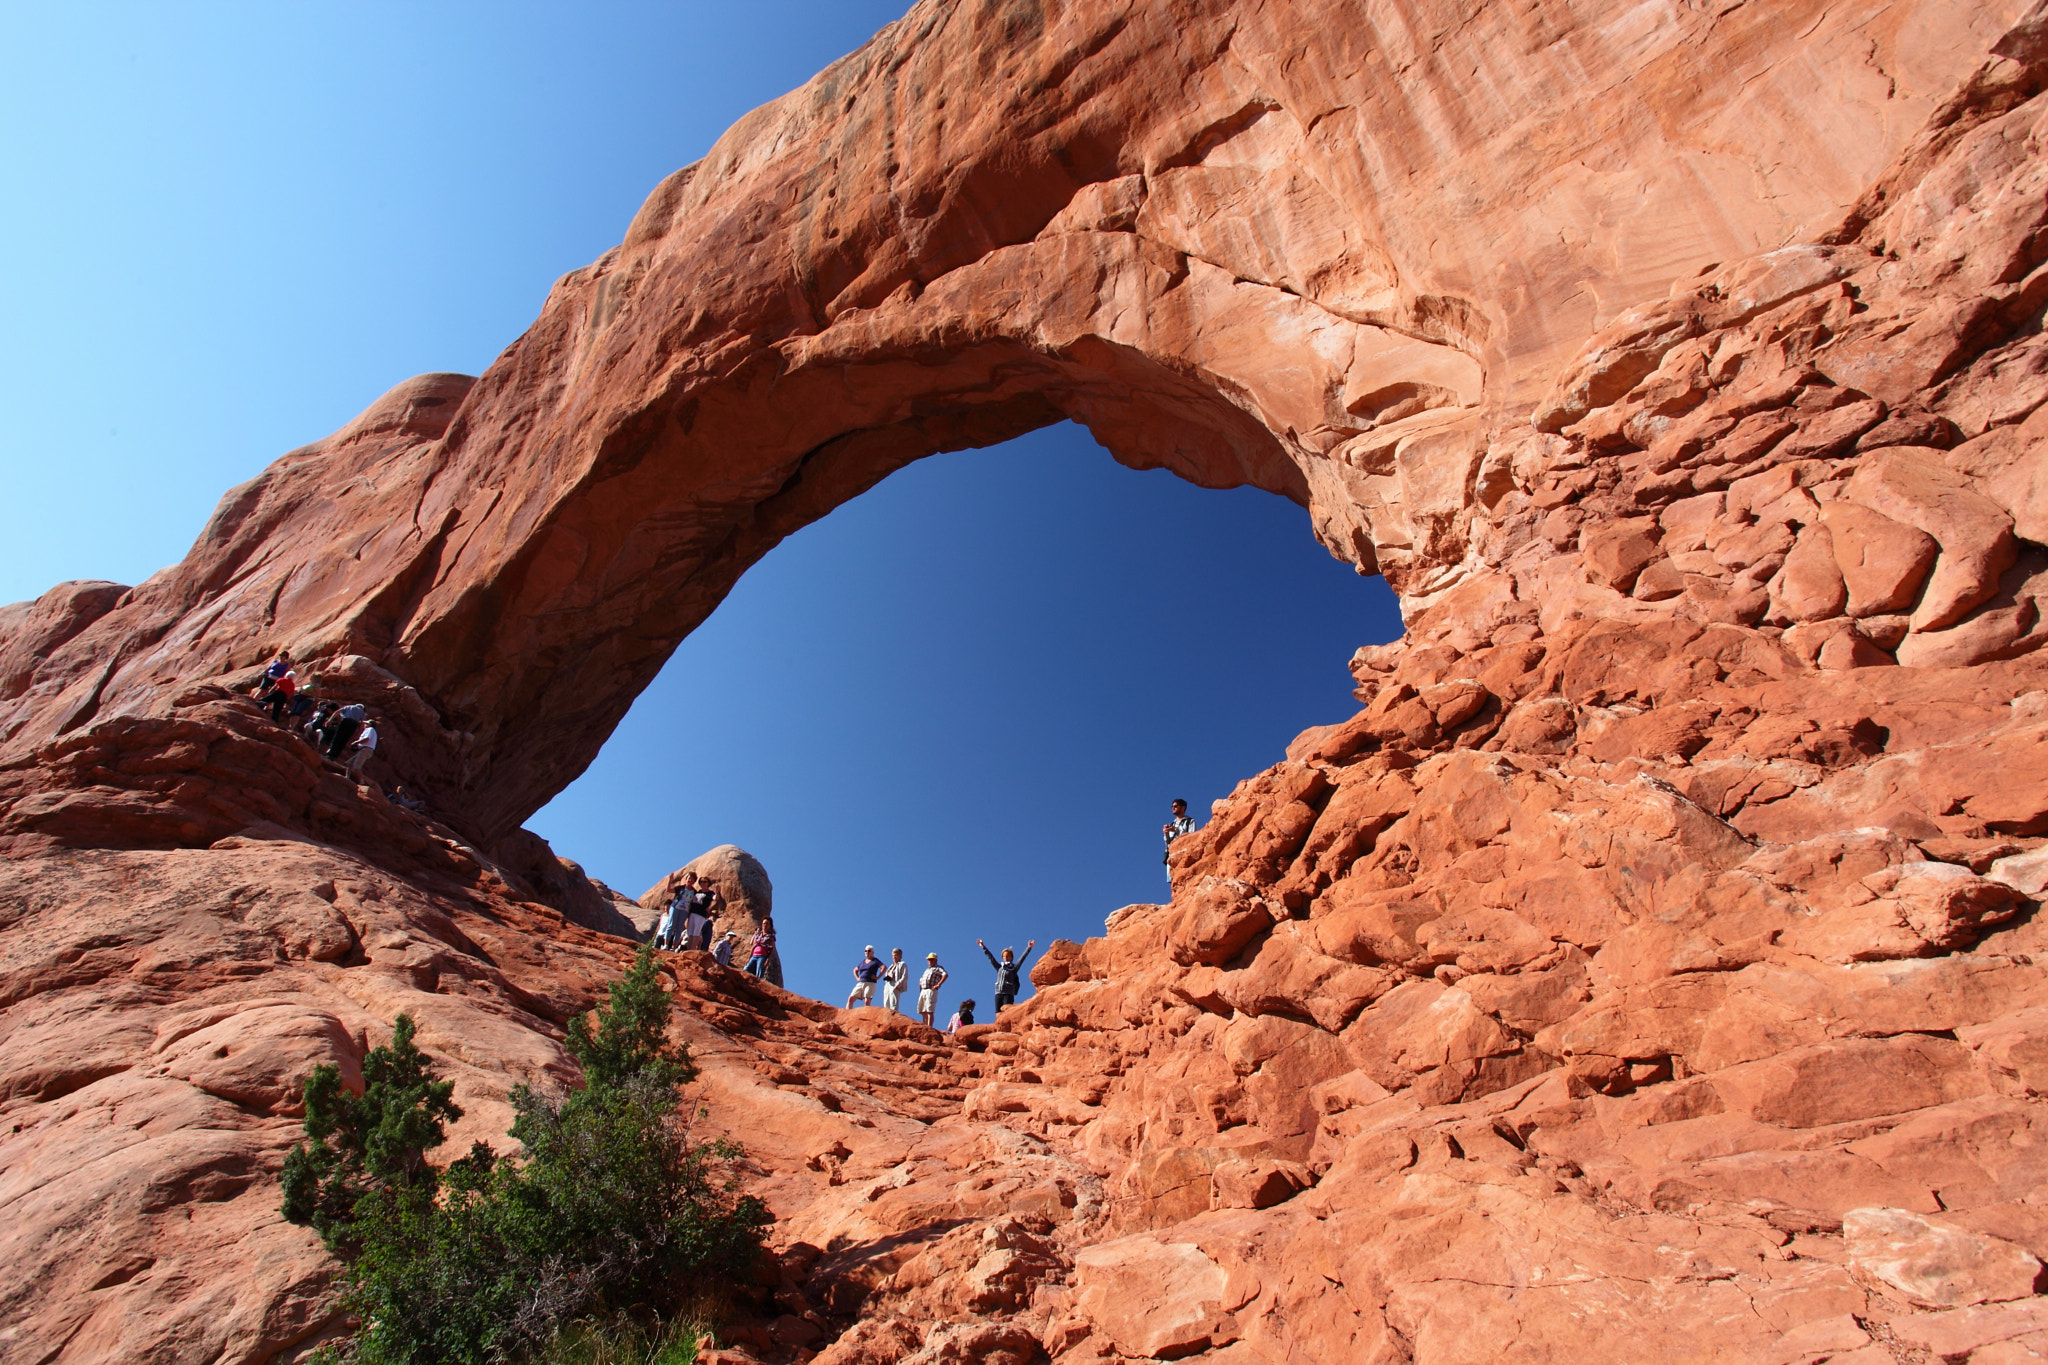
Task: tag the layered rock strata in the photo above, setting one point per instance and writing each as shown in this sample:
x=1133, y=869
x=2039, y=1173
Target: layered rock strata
x=1651, y=969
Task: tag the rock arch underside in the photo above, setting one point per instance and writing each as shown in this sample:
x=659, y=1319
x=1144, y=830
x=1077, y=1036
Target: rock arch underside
x=1652, y=969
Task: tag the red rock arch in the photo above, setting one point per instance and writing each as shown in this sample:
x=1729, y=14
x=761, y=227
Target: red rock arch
x=1323, y=248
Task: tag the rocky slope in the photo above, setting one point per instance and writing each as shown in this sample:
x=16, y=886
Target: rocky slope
x=1652, y=969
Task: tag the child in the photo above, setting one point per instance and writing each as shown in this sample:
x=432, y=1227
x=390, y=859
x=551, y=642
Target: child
x=962, y=1017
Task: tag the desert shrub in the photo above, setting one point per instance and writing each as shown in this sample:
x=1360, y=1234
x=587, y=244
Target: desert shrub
x=609, y=1223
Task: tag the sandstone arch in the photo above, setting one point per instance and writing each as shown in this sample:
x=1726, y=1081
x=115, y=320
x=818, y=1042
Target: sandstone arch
x=1671, y=913
x=1326, y=268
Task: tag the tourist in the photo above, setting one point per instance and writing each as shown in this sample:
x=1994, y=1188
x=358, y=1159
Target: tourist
x=278, y=667
x=664, y=929
x=895, y=977
x=281, y=693
x=365, y=745
x=962, y=1017
x=1181, y=823
x=764, y=947
x=721, y=952
x=704, y=905
x=928, y=984
x=866, y=972
x=342, y=727
x=316, y=728
x=1006, y=972
x=401, y=797
x=302, y=705
x=678, y=913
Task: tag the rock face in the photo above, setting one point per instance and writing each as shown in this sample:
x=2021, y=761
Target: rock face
x=997, y=215
x=1653, y=967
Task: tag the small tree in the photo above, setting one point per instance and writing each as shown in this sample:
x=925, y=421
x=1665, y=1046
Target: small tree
x=613, y=1212
x=369, y=1145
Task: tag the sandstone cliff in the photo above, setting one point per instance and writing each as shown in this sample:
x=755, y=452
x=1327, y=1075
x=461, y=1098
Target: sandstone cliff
x=1652, y=969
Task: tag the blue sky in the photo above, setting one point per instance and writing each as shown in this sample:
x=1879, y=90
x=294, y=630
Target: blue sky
x=956, y=707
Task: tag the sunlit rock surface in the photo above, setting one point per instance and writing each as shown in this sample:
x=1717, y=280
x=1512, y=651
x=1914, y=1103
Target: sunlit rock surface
x=1652, y=967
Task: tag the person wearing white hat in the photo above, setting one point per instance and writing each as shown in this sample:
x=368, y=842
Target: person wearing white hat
x=928, y=984
x=895, y=977
x=866, y=973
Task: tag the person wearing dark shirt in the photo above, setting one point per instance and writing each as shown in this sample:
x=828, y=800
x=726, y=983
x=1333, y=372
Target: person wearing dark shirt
x=1181, y=823
x=1007, y=970
x=704, y=905
x=866, y=973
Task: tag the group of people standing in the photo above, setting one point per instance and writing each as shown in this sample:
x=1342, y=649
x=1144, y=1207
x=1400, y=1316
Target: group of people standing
x=341, y=731
x=690, y=922
x=893, y=977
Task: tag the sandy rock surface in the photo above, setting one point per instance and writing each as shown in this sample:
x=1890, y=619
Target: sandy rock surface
x=1652, y=967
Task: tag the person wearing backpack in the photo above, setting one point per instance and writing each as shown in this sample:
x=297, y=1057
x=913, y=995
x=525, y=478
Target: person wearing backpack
x=1007, y=971
x=933, y=977
x=962, y=1017
x=866, y=973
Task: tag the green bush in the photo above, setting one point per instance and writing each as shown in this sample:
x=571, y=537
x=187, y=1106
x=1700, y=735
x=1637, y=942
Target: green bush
x=606, y=1229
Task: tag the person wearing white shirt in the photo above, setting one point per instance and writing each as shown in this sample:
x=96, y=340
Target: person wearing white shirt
x=360, y=751
x=895, y=977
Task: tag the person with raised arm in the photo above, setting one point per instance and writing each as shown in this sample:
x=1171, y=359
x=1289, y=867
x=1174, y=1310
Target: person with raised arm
x=1007, y=972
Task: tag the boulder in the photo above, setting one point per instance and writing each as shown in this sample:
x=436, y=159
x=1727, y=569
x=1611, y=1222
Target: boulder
x=1934, y=1264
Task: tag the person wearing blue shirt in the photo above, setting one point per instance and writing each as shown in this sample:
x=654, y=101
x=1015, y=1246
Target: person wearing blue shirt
x=866, y=973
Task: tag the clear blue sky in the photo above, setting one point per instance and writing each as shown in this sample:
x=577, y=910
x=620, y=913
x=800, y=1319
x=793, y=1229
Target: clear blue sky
x=955, y=708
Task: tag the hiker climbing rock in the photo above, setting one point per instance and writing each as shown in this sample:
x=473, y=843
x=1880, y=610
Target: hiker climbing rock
x=342, y=727
x=1007, y=980
x=302, y=705
x=282, y=692
x=273, y=673
x=364, y=746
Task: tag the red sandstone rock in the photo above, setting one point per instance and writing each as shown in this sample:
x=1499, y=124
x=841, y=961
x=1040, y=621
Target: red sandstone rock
x=1935, y=1265
x=1882, y=562
x=1582, y=993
